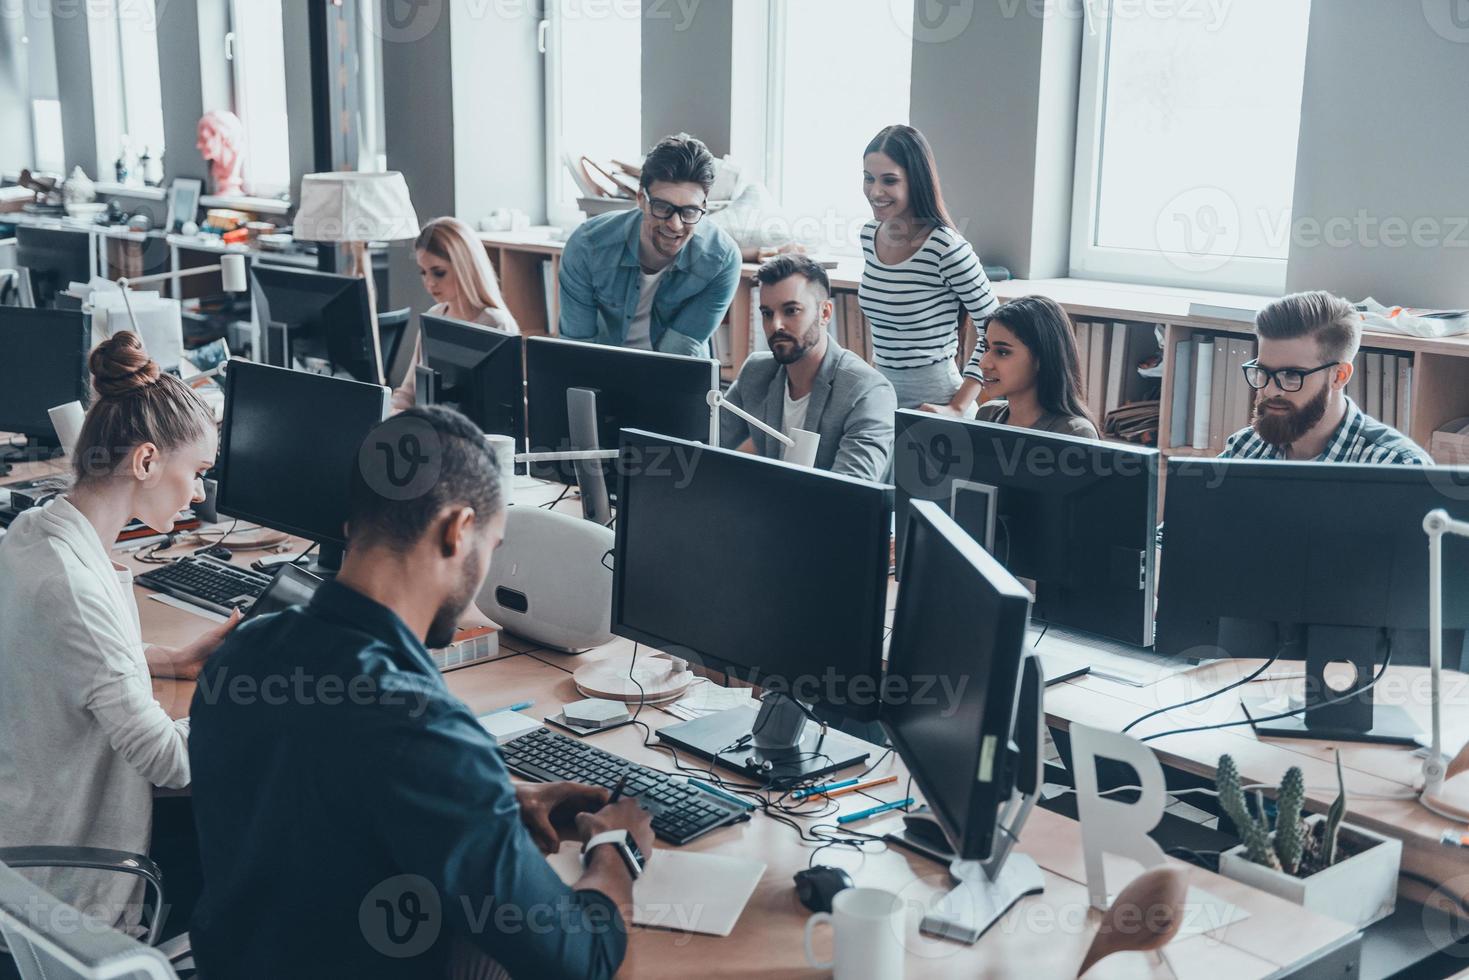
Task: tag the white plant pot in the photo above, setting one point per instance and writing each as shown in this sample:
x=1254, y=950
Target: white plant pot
x=1358, y=891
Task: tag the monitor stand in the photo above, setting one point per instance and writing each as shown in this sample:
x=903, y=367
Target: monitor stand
x=591, y=478
x=1355, y=719
x=775, y=745
x=987, y=889
x=325, y=562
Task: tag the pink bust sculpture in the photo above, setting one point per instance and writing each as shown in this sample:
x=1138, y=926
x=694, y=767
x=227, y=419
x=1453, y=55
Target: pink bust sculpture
x=222, y=142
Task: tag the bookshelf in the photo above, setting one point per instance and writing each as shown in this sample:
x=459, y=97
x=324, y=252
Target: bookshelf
x=528, y=261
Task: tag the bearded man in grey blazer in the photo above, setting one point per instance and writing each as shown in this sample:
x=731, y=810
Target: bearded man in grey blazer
x=809, y=381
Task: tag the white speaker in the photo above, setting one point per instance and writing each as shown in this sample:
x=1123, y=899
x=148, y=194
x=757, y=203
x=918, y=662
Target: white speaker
x=551, y=580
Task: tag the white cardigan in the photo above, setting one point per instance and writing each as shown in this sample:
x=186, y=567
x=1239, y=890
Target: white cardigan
x=82, y=739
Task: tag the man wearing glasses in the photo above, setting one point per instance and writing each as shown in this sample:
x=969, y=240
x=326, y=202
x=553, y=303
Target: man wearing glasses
x=655, y=278
x=1302, y=412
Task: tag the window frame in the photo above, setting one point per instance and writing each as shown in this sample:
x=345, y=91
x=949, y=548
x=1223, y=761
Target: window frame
x=1245, y=274
x=234, y=66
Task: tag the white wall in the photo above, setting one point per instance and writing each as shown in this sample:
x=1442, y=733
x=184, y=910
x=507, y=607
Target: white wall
x=1384, y=144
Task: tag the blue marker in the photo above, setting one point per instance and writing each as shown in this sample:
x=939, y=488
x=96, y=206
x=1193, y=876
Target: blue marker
x=801, y=794
x=517, y=706
x=723, y=795
x=874, y=811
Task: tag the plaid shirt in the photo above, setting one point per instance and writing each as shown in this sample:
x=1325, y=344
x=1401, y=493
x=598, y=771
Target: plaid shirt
x=1359, y=439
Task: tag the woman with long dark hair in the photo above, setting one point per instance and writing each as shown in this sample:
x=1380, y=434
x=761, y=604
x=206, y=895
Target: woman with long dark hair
x=919, y=274
x=1031, y=371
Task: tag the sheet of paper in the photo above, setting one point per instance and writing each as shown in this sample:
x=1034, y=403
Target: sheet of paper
x=682, y=890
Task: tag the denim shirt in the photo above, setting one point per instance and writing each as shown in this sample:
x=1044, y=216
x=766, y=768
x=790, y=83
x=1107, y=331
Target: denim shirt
x=600, y=283
x=354, y=818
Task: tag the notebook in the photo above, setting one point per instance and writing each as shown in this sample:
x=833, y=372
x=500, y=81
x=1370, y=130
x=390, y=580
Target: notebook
x=681, y=890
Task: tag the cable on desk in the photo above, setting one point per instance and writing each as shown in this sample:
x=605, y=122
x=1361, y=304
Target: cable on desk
x=1247, y=679
x=1386, y=661
x=552, y=505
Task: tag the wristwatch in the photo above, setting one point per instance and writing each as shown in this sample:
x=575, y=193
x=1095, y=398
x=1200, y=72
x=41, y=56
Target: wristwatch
x=627, y=849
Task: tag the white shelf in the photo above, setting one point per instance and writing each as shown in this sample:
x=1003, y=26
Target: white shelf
x=261, y=205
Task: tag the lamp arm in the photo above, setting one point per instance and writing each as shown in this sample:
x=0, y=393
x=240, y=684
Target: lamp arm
x=1436, y=524
x=717, y=401
x=125, y=282
x=570, y=456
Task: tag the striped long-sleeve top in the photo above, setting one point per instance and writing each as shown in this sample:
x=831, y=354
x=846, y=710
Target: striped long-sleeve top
x=913, y=306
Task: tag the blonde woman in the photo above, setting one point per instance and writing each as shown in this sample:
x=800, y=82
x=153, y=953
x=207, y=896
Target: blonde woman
x=457, y=273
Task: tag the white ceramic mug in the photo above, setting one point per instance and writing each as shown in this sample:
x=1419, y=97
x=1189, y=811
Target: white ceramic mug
x=504, y=449
x=868, y=926
x=803, y=453
x=67, y=421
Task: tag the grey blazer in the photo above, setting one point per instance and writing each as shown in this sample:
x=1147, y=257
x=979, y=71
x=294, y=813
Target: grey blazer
x=852, y=408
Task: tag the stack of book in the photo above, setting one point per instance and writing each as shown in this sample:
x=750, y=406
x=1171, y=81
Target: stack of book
x=849, y=326
x=1382, y=386
x=1112, y=355
x=1211, y=401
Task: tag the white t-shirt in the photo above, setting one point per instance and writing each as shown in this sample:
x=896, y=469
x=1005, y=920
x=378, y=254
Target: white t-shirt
x=793, y=415
x=640, y=330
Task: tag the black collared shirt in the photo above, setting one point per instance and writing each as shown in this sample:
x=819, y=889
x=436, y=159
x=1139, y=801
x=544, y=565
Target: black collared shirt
x=354, y=817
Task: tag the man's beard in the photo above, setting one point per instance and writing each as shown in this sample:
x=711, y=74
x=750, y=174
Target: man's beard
x=793, y=352
x=1284, y=429
x=446, y=620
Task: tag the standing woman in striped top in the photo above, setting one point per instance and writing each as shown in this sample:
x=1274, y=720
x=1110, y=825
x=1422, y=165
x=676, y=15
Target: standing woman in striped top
x=919, y=273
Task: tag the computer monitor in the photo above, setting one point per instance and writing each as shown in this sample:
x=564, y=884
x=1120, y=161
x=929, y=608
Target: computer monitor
x=54, y=259
x=323, y=316
x=762, y=570
x=962, y=707
x=43, y=364
x=477, y=370
x=635, y=389
x=1076, y=516
x=1326, y=562
x=287, y=448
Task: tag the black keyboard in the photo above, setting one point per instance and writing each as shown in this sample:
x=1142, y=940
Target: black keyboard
x=207, y=583
x=681, y=810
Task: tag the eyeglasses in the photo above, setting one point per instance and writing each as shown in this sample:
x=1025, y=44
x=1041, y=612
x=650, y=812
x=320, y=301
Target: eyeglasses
x=663, y=210
x=1287, y=379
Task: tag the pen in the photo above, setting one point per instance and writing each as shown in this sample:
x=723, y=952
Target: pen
x=874, y=811
x=861, y=787
x=617, y=792
x=517, y=706
x=722, y=795
x=801, y=794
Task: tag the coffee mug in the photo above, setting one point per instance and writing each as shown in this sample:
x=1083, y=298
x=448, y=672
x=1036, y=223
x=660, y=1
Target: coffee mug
x=868, y=926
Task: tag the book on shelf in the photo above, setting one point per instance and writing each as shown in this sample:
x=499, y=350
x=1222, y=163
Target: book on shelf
x=1084, y=349
x=1180, y=433
x=1096, y=378
x=1405, y=393
x=1203, y=389
x=1373, y=381
x=1389, y=390
x=1117, y=368
x=1217, y=393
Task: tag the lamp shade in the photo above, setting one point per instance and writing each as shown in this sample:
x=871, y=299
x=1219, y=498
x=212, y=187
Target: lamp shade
x=355, y=207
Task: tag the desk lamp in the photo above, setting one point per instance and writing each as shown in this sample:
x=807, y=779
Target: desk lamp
x=354, y=209
x=802, y=447
x=1436, y=770
x=231, y=269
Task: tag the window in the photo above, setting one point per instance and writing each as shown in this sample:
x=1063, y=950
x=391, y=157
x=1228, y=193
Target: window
x=257, y=56
x=1186, y=145
x=127, y=100
x=50, y=155
x=840, y=71
x=594, y=92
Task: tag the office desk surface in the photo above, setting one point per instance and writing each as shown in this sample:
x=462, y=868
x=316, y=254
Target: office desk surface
x=1045, y=936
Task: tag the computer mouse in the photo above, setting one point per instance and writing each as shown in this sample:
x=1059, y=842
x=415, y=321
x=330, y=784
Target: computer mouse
x=216, y=551
x=817, y=886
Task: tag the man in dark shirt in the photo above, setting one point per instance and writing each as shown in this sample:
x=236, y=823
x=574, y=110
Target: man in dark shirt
x=354, y=818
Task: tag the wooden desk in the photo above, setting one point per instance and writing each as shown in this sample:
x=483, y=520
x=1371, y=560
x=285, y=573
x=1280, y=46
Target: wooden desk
x=1045, y=935
x=1370, y=771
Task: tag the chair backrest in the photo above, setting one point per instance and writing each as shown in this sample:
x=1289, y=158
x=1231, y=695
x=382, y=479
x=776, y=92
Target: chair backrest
x=51, y=940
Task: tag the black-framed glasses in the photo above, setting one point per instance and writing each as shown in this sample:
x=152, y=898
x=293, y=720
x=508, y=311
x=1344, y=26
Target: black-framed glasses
x=1287, y=379
x=663, y=210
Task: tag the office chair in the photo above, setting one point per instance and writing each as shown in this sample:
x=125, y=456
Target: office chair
x=47, y=938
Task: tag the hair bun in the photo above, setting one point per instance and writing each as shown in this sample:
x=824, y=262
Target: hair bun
x=120, y=366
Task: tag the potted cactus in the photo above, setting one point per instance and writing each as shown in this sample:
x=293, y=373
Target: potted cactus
x=1332, y=868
